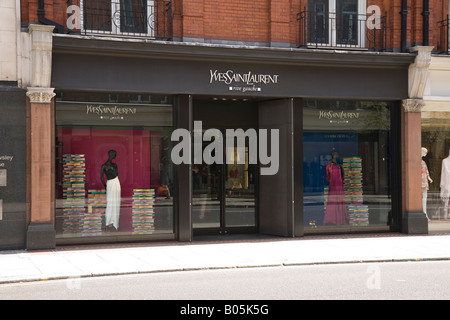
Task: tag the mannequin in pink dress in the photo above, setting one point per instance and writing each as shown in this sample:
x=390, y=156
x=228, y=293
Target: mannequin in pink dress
x=336, y=211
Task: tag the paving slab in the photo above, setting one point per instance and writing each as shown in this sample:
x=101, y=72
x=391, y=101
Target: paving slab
x=85, y=261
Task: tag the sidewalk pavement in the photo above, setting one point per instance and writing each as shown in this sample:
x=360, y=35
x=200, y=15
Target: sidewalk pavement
x=259, y=251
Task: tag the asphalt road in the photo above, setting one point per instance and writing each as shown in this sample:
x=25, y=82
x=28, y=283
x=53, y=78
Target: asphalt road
x=386, y=281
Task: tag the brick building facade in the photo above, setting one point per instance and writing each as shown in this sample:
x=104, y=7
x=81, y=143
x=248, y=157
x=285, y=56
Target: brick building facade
x=123, y=75
x=269, y=23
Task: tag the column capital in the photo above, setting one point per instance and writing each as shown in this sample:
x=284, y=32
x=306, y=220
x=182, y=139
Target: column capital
x=40, y=95
x=40, y=27
x=413, y=105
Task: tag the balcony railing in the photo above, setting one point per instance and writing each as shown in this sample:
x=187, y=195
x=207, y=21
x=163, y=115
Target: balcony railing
x=341, y=30
x=129, y=18
x=444, y=43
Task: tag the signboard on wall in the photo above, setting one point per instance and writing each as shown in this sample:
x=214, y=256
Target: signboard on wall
x=112, y=114
x=282, y=77
x=246, y=82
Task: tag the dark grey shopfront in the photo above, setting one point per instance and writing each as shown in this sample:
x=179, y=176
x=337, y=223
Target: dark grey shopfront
x=13, y=174
x=247, y=88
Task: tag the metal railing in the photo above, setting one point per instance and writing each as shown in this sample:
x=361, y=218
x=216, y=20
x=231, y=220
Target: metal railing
x=129, y=18
x=341, y=30
x=444, y=41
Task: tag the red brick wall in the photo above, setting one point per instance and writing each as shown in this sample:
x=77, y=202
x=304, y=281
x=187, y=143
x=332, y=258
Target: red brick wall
x=54, y=10
x=236, y=20
x=264, y=21
x=276, y=20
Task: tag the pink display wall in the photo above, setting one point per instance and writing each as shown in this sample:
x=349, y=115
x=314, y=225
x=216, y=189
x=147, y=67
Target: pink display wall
x=138, y=154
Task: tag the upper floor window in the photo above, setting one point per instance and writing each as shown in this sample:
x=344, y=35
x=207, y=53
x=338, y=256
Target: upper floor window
x=128, y=17
x=342, y=24
x=337, y=22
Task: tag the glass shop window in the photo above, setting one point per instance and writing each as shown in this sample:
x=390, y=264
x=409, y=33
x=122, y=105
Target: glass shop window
x=113, y=170
x=436, y=168
x=346, y=156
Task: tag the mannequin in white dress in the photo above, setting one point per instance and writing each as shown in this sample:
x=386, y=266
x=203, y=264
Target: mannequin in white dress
x=445, y=182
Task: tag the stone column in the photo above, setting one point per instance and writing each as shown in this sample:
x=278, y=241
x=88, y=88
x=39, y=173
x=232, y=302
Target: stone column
x=41, y=158
x=414, y=219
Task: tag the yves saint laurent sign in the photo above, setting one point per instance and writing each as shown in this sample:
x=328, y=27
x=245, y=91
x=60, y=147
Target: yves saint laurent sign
x=338, y=116
x=110, y=112
x=366, y=118
x=242, y=82
x=91, y=113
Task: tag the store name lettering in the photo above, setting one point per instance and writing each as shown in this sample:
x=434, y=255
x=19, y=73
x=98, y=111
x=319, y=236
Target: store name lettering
x=248, y=78
x=111, y=110
x=340, y=115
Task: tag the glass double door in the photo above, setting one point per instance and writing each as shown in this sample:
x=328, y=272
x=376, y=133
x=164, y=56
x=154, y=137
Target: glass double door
x=224, y=194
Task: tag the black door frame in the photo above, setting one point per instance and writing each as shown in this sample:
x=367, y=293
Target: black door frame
x=223, y=229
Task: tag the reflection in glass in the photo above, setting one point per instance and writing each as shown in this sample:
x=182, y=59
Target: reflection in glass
x=240, y=191
x=347, y=22
x=319, y=21
x=206, y=200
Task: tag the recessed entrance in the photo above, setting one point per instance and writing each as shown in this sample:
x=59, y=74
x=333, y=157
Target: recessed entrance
x=224, y=195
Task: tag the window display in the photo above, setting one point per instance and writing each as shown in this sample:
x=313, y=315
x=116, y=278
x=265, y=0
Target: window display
x=436, y=142
x=113, y=165
x=346, y=171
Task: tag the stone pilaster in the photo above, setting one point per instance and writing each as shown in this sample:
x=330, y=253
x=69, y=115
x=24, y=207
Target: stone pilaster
x=41, y=158
x=41, y=230
x=41, y=54
x=414, y=219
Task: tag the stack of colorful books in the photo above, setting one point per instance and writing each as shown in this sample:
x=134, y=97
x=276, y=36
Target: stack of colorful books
x=353, y=180
x=358, y=213
x=94, y=220
x=143, y=215
x=74, y=177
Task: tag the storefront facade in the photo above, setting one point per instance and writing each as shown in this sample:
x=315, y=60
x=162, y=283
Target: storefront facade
x=323, y=100
x=130, y=98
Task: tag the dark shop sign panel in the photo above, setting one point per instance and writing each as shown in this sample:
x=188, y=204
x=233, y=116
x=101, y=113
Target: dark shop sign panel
x=112, y=73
